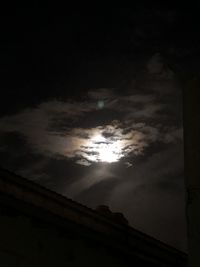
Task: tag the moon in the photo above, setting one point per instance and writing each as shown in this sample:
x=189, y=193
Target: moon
x=104, y=150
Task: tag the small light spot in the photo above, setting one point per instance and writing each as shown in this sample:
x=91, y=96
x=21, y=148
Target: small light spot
x=100, y=104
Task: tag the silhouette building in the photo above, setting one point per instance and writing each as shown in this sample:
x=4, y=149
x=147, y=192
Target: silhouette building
x=41, y=228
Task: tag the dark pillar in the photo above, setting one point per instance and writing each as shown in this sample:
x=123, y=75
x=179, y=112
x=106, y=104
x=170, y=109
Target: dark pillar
x=192, y=166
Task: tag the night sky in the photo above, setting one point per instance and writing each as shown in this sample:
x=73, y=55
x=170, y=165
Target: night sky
x=91, y=107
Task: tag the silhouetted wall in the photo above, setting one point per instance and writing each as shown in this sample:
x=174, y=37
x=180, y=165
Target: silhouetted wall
x=29, y=242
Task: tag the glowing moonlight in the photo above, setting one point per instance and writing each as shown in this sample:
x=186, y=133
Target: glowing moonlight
x=101, y=149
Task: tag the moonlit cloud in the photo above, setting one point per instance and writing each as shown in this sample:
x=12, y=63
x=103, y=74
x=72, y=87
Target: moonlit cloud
x=49, y=129
x=109, y=143
x=103, y=143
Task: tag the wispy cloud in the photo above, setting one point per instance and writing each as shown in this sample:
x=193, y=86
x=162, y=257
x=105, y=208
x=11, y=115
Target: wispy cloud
x=50, y=128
